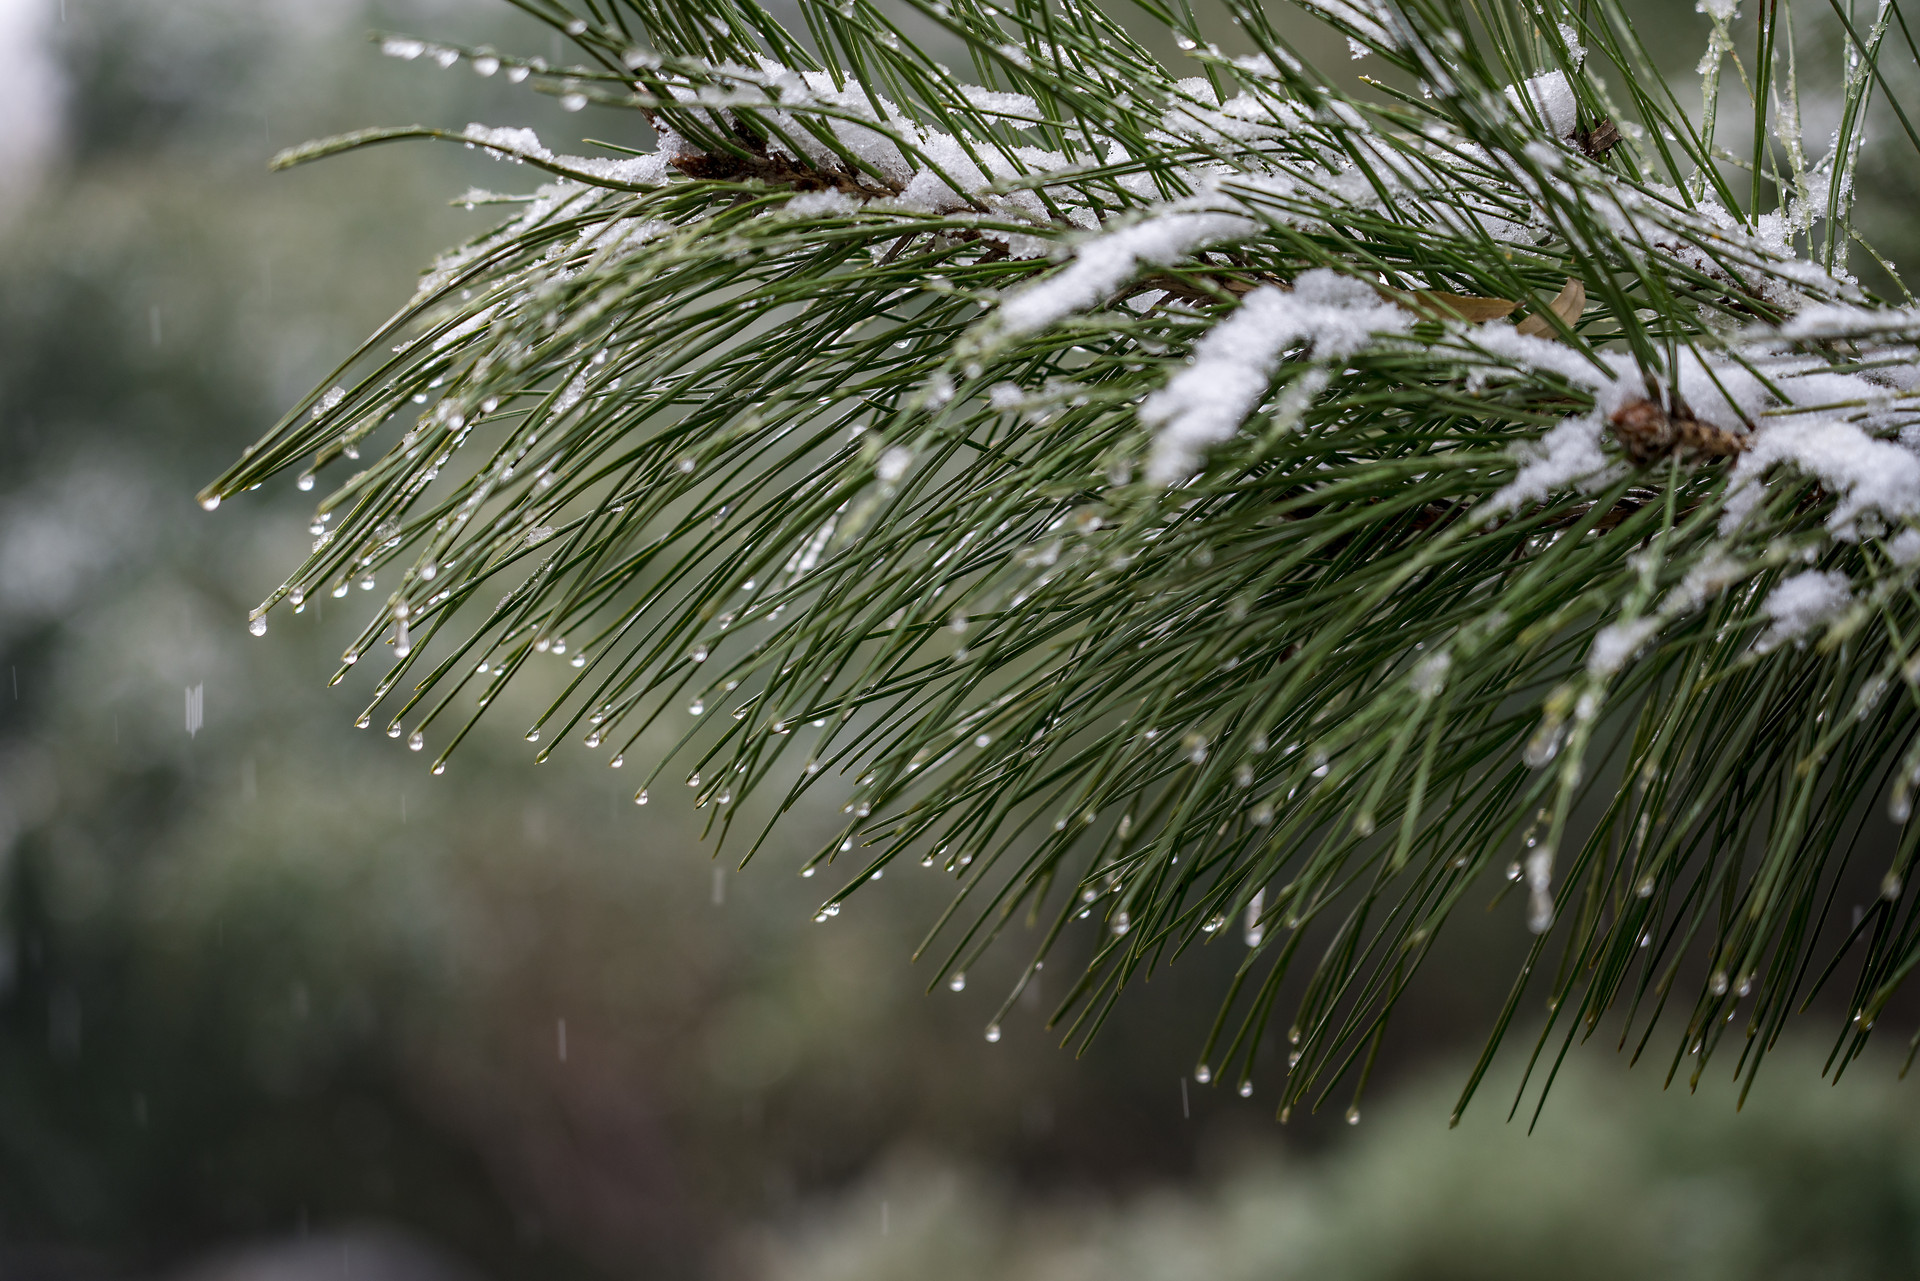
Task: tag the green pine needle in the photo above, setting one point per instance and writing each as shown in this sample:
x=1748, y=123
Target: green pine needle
x=1120, y=477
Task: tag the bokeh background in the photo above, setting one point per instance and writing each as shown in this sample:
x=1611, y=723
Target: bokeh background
x=276, y=1004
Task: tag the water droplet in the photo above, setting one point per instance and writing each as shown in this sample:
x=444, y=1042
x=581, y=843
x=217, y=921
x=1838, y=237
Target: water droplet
x=1719, y=983
x=364, y=721
x=993, y=1032
x=394, y=730
x=1353, y=1116
x=693, y=780
x=1246, y=1089
x=305, y=482
x=806, y=872
x=1513, y=870
x=1203, y=1074
x=699, y=654
x=1121, y=924
x=572, y=101
x=958, y=983
x=697, y=706
x=533, y=736
x=210, y=502
x=640, y=797
x=258, y=626
x=417, y=741
x=439, y=768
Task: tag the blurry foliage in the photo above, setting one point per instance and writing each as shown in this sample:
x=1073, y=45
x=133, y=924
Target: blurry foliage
x=1808, y=1181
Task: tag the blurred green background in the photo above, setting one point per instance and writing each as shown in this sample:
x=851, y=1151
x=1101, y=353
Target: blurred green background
x=274, y=1003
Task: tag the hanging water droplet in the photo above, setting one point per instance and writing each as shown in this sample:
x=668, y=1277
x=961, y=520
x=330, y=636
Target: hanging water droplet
x=305, y=482
x=693, y=780
x=1513, y=870
x=993, y=1032
x=1246, y=1089
x=364, y=721
x=1121, y=924
x=1719, y=983
x=697, y=706
x=573, y=101
x=439, y=768
x=699, y=654
x=394, y=730
x=533, y=736
x=1353, y=1116
x=640, y=797
x=417, y=741
x=1203, y=1074
x=258, y=626
x=1544, y=745
x=210, y=502
x=958, y=983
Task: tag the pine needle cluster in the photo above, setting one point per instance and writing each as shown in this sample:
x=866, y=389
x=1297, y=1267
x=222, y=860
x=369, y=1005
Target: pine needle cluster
x=1205, y=508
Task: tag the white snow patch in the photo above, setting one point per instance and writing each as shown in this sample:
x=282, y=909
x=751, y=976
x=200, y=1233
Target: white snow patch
x=1552, y=98
x=821, y=204
x=1104, y=263
x=517, y=142
x=1868, y=474
x=1564, y=456
x=1904, y=547
x=1615, y=645
x=1802, y=603
x=1334, y=315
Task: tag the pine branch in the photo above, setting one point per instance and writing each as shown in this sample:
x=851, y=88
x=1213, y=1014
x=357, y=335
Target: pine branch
x=1211, y=509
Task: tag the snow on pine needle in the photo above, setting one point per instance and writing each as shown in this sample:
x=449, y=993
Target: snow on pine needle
x=1173, y=499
